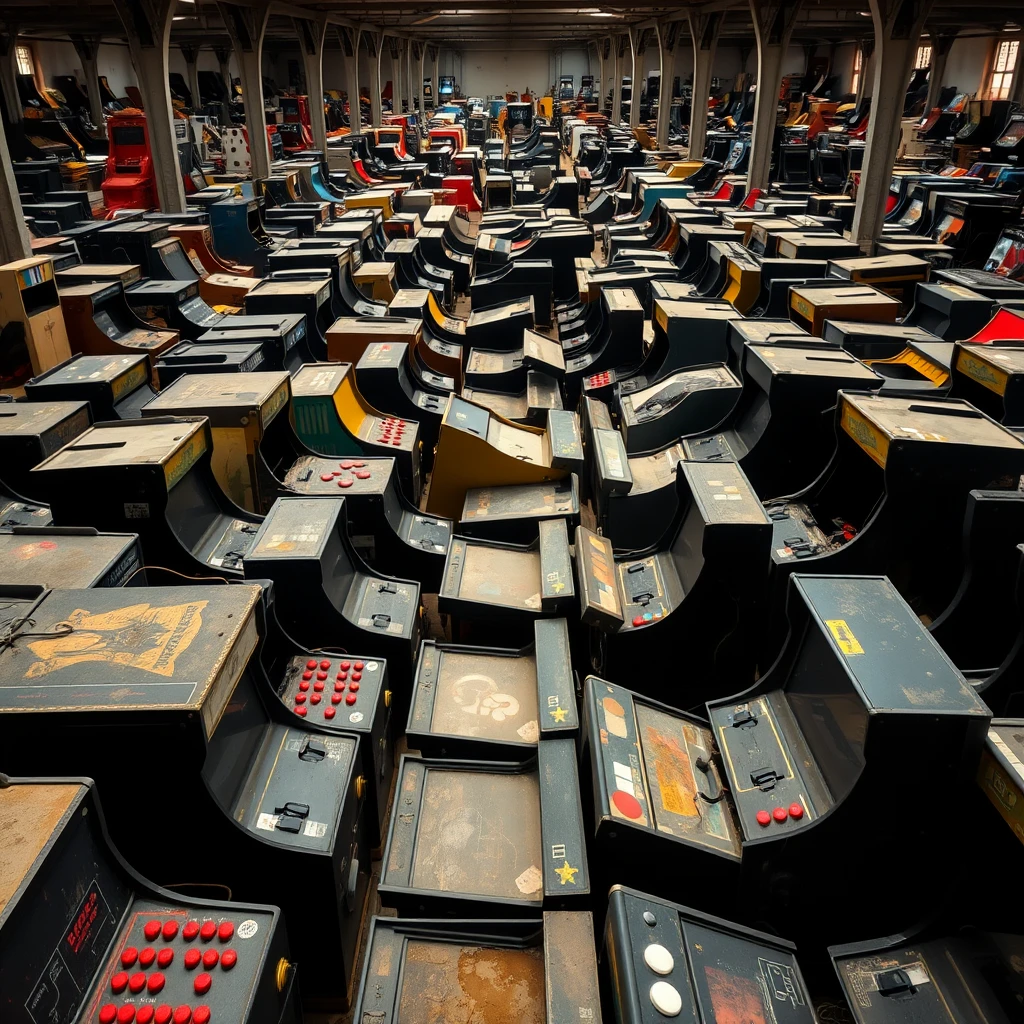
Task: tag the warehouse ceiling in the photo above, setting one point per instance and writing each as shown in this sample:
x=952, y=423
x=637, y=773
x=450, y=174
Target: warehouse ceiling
x=501, y=25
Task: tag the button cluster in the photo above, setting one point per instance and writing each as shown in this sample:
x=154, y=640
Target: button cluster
x=600, y=380
x=348, y=471
x=328, y=686
x=133, y=980
x=780, y=815
x=391, y=430
x=664, y=996
x=643, y=620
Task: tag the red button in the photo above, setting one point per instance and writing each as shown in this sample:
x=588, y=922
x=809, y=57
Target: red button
x=202, y=1015
x=301, y=712
x=346, y=464
x=182, y=1015
x=119, y=982
x=358, y=666
x=395, y=443
x=325, y=664
x=152, y=929
x=627, y=804
x=358, y=465
x=108, y=1014
x=202, y=984
x=228, y=959
x=315, y=699
x=345, y=666
x=170, y=930
x=638, y=621
x=353, y=687
x=356, y=676
x=327, y=477
x=156, y=982
x=147, y=956
x=225, y=931
x=306, y=676
x=350, y=699
x=162, y=1015
x=341, y=677
x=165, y=958
x=321, y=676
x=137, y=982
x=190, y=931
x=311, y=664
x=210, y=958
x=363, y=475
x=300, y=698
x=329, y=712
x=796, y=810
x=303, y=686
x=144, y=1015
x=764, y=818
x=192, y=958
x=128, y=956
x=208, y=931
x=126, y=1014
x=780, y=814
x=336, y=697
x=345, y=483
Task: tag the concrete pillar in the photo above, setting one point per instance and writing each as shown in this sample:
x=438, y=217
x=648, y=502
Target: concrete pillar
x=311, y=36
x=224, y=67
x=773, y=27
x=941, y=44
x=191, y=54
x=634, y=105
x=669, y=46
x=8, y=73
x=410, y=81
x=617, y=44
x=148, y=29
x=246, y=27
x=15, y=243
x=421, y=106
x=86, y=47
x=1017, y=89
x=349, y=39
x=397, y=85
x=375, y=43
x=898, y=25
x=435, y=56
x=704, y=31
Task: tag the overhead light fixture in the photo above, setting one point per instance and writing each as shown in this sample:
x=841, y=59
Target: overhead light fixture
x=864, y=14
x=603, y=14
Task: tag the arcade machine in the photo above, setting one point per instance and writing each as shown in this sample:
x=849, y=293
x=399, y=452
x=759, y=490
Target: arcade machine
x=669, y=957
x=702, y=584
x=477, y=448
x=175, y=305
x=33, y=337
x=32, y=431
x=102, y=323
x=282, y=337
x=537, y=970
x=130, y=182
x=116, y=387
x=514, y=512
x=749, y=797
x=493, y=703
x=73, y=557
x=220, y=357
x=87, y=936
x=178, y=668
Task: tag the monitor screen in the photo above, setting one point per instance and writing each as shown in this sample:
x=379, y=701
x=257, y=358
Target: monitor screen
x=129, y=135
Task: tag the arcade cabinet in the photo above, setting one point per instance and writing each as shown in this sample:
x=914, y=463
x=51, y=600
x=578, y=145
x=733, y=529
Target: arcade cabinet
x=130, y=181
x=33, y=337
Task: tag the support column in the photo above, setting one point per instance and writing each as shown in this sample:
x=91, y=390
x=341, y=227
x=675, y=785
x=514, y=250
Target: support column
x=704, y=31
x=668, y=44
x=224, y=67
x=148, y=28
x=942, y=43
x=246, y=27
x=898, y=25
x=86, y=47
x=375, y=45
x=349, y=39
x=422, y=105
x=311, y=44
x=414, y=89
x=618, y=44
x=634, y=91
x=191, y=54
x=773, y=27
x=15, y=243
x=8, y=74
x=395, y=50
x=1017, y=89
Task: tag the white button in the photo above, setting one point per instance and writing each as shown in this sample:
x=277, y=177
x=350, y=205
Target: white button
x=666, y=999
x=659, y=959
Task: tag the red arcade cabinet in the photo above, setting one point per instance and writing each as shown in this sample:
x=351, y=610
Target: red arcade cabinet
x=130, y=181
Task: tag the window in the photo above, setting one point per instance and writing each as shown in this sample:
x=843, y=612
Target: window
x=1004, y=60
x=924, y=58
x=858, y=64
x=24, y=57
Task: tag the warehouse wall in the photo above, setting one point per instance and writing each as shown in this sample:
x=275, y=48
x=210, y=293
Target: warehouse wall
x=59, y=58
x=489, y=72
x=967, y=63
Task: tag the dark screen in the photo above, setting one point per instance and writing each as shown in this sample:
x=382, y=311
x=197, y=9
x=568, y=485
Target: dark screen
x=129, y=136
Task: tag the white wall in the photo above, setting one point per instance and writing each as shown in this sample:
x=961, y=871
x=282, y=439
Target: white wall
x=60, y=58
x=493, y=72
x=967, y=63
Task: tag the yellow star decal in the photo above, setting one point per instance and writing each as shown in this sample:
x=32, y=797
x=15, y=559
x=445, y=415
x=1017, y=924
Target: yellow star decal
x=558, y=714
x=558, y=587
x=566, y=873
